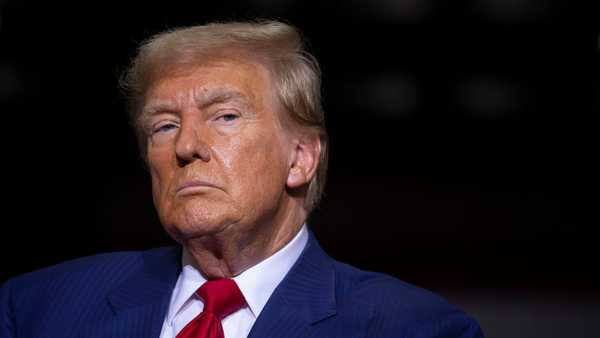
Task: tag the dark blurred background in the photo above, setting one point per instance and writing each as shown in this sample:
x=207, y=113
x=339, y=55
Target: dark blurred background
x=462, y=143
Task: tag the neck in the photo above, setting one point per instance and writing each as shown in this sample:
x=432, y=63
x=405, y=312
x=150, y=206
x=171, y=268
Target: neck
x=231, y=251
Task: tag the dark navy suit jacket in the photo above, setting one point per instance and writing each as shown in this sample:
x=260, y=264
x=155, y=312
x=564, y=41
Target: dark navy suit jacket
x=126, y=295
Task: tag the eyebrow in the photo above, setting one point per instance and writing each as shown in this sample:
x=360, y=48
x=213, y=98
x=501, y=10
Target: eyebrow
x=156, y=106
x=219, y=95
x=202, y=100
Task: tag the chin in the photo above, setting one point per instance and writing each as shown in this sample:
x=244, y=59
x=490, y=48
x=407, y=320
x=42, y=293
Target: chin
x=192, y=222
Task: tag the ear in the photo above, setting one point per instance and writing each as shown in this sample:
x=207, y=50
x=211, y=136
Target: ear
x=305, y=160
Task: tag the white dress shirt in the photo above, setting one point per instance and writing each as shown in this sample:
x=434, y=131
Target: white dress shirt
x=256, y=283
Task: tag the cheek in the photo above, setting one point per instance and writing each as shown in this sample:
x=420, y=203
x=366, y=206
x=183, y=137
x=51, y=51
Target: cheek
x=160, y=173
x=155, y=189
x=260, y=166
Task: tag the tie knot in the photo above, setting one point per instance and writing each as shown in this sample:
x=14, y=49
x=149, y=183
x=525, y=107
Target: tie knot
x=222, y=297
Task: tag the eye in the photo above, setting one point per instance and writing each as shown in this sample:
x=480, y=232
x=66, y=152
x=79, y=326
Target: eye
x=228, y=117
x=162, y=128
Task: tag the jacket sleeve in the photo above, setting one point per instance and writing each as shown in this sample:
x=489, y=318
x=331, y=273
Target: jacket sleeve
x=7, y=327
x=452, y=325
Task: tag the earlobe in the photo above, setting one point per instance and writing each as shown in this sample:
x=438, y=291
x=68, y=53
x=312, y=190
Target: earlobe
x=296, y=177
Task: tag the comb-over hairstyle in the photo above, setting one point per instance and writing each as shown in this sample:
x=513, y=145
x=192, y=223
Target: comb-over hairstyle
x=278, y=46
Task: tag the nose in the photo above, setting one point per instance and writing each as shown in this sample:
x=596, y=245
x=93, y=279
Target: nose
x=190, y=147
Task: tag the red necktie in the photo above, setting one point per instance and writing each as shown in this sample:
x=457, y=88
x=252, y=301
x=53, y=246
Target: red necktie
x=221, y=297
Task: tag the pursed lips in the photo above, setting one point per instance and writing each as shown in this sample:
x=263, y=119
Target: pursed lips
x=193, y=186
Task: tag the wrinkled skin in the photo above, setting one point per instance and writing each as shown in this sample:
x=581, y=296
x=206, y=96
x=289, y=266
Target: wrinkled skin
x=225, y=171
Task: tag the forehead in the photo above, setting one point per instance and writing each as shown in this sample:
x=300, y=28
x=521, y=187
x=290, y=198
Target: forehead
x=217, y=81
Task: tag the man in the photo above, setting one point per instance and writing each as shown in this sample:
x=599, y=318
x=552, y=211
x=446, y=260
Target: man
x=229, y=120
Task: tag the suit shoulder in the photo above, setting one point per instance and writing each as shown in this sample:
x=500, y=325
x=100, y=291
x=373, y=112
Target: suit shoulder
x=386, y=291
x=395, y=306
x=72, y=291
x=90, y=270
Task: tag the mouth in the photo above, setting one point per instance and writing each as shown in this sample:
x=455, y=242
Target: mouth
x=194, y=187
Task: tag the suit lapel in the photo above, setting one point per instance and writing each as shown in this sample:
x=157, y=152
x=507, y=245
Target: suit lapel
x=138, y=306
x=305, y=296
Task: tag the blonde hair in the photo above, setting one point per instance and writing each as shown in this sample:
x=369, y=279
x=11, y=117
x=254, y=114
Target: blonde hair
x=277, y=45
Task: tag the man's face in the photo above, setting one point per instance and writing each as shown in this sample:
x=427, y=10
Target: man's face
x=218, y=155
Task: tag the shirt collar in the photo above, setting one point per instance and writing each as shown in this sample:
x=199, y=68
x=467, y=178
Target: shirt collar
x=256, y=283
